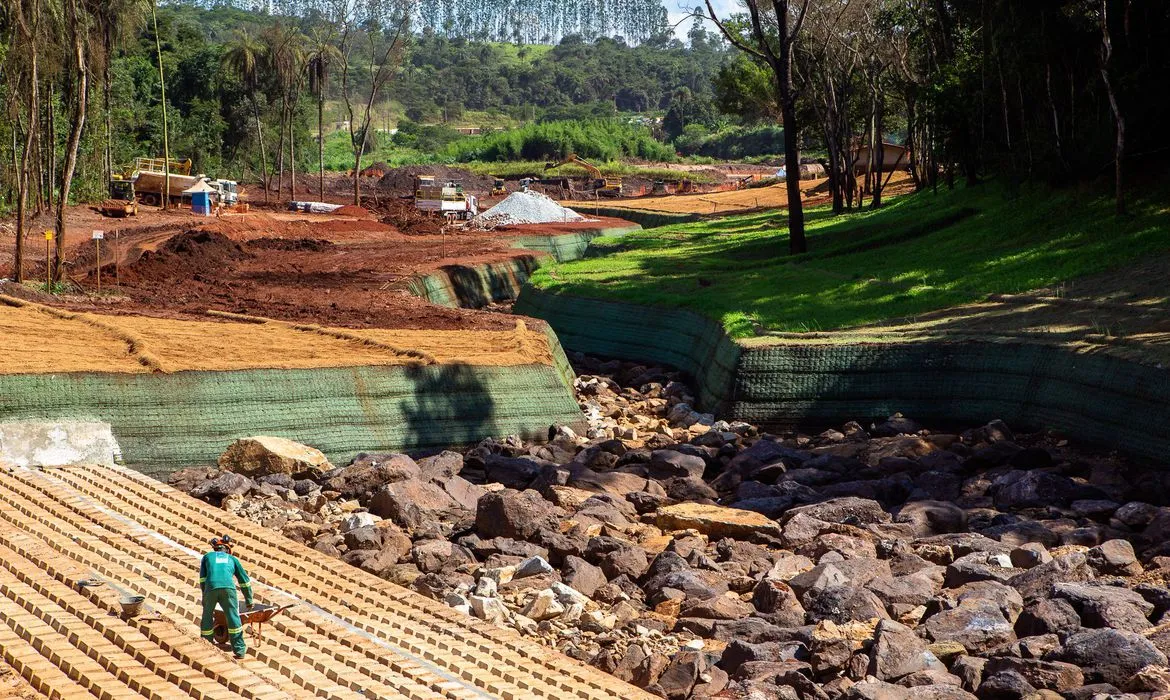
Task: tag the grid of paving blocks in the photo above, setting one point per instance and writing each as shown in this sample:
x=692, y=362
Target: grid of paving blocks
x=75, y=540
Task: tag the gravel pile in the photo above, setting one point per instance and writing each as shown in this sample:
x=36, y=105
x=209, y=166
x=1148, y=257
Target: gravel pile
x=525, y=208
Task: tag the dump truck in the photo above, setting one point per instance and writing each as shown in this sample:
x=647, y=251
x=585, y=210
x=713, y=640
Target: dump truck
x=447, y=199
x=602, y=186
x=148, y=179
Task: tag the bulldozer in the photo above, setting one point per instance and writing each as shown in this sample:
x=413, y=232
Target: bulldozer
x=122, y=201
x=602, y=186
x=498, y=189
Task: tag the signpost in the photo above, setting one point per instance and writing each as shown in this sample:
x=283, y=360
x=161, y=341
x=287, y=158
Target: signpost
x=97, y=244
x=48, y=267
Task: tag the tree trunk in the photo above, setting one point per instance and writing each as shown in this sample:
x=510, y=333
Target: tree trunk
x=880, y=155
x=22, y=184
x=162, y=86
x=292, y=151
x=280, y=146
x=796, y=240
x=1118, y=118
x=321, y=130
x=51, y=151
x=260, y=139
x=80, y=103
x=108, y=38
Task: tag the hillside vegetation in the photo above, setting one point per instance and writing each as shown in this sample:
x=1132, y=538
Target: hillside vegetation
x=921, y=252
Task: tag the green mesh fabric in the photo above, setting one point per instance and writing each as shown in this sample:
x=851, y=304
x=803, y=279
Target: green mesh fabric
x=167, y=421
x=1097, y=398
x=476, y=286
x=647, y=219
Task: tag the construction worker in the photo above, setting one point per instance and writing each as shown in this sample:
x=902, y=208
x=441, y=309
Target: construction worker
x=218, y=573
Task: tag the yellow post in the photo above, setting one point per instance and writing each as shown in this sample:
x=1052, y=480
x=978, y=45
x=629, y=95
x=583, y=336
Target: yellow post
x=48, y=266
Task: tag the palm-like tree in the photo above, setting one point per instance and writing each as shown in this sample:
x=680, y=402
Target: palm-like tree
x=286, y=57
x=116, y=21
x=245, y=55
x=321, y=55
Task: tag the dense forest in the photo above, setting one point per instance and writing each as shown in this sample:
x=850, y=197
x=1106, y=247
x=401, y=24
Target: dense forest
x=1057, y=90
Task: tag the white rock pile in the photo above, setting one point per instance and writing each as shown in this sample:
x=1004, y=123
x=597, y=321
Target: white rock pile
x=525, y=208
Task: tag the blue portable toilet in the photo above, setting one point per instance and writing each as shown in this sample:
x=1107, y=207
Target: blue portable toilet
x=200, y=194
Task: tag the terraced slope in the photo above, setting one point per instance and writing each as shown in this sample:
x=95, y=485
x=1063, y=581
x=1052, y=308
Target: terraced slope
x=350, y=634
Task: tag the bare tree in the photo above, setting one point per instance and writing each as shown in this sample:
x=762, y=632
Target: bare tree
x=77, y=70
x=27, y=13
x=1106, y=53
x=384, y=30
x=771, y=36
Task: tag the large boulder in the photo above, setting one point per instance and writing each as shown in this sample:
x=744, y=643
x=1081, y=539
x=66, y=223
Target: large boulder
x=716, y=521
x=898, y=652
x=515, y=514
x=368, y=473
x=1109, y=656
x=265, y=454
x=413, y=504
x=222, y=486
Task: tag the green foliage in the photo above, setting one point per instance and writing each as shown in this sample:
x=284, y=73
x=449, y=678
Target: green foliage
x=601, y=140
x=919, y=253
x=732, y=143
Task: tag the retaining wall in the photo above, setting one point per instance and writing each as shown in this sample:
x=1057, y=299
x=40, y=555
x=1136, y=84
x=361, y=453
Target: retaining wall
x=645, y=218
x=476, y=286
x=1094, y=397
x=167, y=421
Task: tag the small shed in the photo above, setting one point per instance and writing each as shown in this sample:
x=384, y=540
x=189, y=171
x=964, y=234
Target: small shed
x=894, y=157
x=200, y=194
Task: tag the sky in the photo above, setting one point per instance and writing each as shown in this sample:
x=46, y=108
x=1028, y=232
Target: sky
x=677, y=11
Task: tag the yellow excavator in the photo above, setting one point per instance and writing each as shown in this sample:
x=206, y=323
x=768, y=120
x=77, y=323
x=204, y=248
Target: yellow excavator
x=604, y=186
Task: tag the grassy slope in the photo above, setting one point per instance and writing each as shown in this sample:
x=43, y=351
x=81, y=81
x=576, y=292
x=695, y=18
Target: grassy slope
x=919, y=253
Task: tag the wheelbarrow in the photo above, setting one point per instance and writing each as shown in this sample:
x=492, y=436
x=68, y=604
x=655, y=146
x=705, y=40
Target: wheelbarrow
x=254, y=617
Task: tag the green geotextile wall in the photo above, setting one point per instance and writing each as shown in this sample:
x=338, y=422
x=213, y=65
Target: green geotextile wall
x=167, y=421
x=647, y=219
x=1097, y=398
x=570, y=246
x=675, y=337
x=476, y=286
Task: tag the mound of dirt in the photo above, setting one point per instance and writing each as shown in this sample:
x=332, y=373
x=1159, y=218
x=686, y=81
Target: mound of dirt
x=189, y=254
x=400, y=181
x=402, y=215
x=313, y=244
x=352, y=210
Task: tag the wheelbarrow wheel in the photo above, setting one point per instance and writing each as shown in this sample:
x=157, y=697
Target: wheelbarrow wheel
x=220, y=636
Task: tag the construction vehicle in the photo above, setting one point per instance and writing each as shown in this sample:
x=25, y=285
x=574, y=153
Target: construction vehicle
x=147, y=182
x=447, y=199
x=602, y=186
x=498, y=189
x=122, y=201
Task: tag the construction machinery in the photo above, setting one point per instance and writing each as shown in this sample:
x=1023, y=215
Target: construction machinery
x=147, y=179
x=602, y=186
x=498, y=189
x=122, y=201
x=447, y=199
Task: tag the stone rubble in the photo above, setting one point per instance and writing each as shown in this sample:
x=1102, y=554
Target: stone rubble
x=696, y=557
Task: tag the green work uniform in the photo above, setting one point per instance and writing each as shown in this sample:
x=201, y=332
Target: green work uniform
x=218, y=573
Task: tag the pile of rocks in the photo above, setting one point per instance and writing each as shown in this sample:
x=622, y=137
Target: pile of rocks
x=694, y=557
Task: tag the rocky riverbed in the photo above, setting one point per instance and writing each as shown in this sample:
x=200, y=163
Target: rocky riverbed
x=697, y=558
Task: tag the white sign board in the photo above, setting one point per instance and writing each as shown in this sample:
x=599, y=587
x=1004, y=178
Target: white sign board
x=98, y=235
